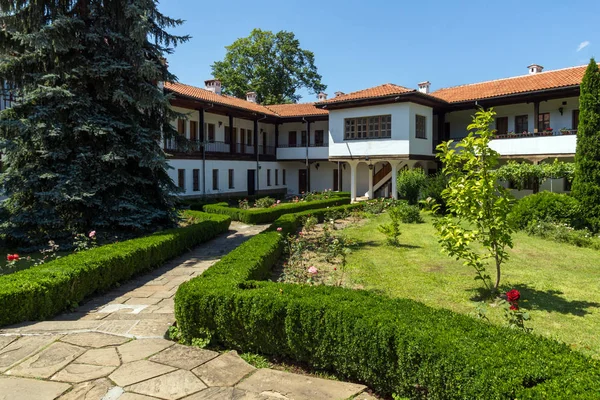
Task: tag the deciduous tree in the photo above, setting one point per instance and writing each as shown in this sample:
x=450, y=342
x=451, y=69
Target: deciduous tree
x=271, y=64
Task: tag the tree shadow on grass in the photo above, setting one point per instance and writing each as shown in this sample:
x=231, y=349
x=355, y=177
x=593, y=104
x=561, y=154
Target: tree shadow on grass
x=543, y=300
x=373, y=243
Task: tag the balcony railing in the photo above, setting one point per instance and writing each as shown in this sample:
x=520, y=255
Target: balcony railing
x=537, y=134
x=216, y=147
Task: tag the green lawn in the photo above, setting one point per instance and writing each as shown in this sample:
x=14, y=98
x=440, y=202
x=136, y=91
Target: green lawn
x=559, y=283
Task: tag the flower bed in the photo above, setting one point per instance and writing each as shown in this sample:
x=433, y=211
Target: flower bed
x=45, y=290
x=265, y=215
x=393, y=345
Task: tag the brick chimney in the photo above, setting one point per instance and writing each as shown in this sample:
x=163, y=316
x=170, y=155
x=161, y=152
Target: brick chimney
x=251, y=97
x=424, y=87
x=214, y=85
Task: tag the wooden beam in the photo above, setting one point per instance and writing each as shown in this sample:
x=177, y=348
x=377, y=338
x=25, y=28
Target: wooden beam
x=536, y=115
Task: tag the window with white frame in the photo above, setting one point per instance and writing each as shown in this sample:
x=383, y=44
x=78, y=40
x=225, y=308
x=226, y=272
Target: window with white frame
x=376, y=127
x=420, y=127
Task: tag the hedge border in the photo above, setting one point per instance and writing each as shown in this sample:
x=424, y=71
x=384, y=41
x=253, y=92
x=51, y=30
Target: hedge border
x=392, y=345
x=45, y=290
x=266, y=215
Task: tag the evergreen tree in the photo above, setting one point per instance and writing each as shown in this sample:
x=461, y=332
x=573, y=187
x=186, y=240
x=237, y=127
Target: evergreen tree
x=82, y=143
x=586, y=183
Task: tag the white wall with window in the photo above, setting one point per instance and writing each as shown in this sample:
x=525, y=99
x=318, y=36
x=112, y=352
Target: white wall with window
x=346, y=143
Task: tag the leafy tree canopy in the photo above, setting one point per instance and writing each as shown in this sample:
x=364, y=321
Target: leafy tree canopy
x=271, y=64
x=82, y=142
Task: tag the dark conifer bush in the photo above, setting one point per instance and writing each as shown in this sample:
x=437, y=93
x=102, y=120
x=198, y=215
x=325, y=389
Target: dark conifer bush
x=82, y=142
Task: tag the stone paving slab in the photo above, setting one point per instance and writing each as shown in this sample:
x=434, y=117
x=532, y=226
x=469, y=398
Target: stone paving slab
x=298, y=387
x=23, y=348
x=47, y=362
x=140, y=349
x=94, y=339
x=12, y=388
x=184, y=357
x=172, y=386
x=94, y=390
x=225, y=370
x=138, y=371
x=107, y=357
x=77, y=373
x=6, y=340
x=228, y=393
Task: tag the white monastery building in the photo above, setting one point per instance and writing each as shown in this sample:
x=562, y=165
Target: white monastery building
x=359, y=141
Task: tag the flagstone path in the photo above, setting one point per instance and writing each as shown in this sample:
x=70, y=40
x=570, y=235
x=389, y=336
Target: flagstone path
x=113, y=348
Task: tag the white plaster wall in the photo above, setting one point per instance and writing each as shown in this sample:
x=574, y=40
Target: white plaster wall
x=421, y=146
x=535, y=145
x=299, y=153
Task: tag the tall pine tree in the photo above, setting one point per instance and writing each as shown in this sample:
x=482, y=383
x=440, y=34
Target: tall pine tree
x=82, y=143
x=586, y=182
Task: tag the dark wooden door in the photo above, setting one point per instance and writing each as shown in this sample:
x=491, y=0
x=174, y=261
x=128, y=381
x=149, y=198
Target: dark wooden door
x=242, y=141
x=302, y=180
x=251, y=182
x=336, y=182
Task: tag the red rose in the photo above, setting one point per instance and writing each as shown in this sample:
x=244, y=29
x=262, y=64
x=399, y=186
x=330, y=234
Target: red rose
x=9, y=257
x=514, y=307
x=513, y=295
x=16, y=257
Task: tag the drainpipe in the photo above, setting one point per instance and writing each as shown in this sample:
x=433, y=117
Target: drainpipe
x=306, y=161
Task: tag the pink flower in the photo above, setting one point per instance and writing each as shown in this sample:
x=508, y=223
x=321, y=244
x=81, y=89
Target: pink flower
x=92, y=234
x=300, y=233
x=278, y=201
x=279, y=229
x=313, y=270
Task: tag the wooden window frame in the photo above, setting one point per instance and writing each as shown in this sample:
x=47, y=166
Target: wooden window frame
x=283, y=181
x=520, y=121
x=181, y=126
x=276, y=177
x=370, y=127
x=215, y=179
x=543, y=123
x=194, y=131
x=268, y=177
x=319, y=138
x=211, y=132
x=181, y=179
x=575, y=119
x=505, y=120
x=292, y=142
x=230, y=177
x=196, y=180
x=420, y=126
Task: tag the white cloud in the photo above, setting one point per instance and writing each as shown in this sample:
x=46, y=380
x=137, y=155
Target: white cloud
x=583, y=45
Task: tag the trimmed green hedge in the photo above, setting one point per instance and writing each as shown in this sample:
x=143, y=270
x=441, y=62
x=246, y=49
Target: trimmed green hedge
x=393, y=345
x=265, y=215
x=45, y=290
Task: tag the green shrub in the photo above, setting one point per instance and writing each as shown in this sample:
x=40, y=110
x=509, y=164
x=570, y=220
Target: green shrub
x=410, y=183
x=393, y=345
x=261, y=216
x=409, y=214
x=563, y=233
x=392, y=229
x=546, y=206
x=45, y=290
x=433, y=188
x=265, y=202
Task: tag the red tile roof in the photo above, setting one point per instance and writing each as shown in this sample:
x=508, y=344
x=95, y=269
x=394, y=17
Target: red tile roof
x=520, y=84
x=388, y=89
x=297, y=110
x=208, y=96
x=281, y=110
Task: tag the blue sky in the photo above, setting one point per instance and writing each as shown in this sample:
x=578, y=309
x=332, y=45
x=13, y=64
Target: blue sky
x=359, y=44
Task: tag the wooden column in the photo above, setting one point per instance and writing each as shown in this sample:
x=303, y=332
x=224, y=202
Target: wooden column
x=232, y=137
x=307, y=159
x=536, y=115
